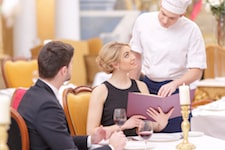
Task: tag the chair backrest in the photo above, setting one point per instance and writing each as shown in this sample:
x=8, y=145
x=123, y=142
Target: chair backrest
x=18, y=137
x=94, y=44
x=17, y=96
x=76, y=103
x=82, y=48
x=79, y=75
x=215, y=61
x=91, y=68
x=35, y=51
x=18, y=72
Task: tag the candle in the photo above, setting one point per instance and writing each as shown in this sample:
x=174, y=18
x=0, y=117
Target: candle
x=184, y=93
x=5, y=109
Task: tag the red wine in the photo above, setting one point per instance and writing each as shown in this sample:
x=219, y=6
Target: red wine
x=145, y=134
x=119, y=122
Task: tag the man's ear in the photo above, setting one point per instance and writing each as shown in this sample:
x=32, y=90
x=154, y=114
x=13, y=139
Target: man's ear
x=63, y=70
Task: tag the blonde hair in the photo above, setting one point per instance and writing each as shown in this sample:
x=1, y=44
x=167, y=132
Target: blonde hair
x=109, y=54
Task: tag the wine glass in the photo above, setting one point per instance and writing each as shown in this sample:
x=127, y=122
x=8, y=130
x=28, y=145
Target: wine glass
x=119, y=116
x=145, y=130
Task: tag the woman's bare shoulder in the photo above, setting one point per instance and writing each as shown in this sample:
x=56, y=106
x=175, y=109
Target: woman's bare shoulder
x=142, y=86
x=99, y=92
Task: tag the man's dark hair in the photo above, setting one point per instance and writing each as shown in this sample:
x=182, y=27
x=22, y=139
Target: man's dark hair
x=52, y=57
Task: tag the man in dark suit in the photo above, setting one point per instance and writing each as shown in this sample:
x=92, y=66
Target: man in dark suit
x=43, y=113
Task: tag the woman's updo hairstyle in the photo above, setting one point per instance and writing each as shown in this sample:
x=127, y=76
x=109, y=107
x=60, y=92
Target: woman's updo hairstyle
x=110, y=53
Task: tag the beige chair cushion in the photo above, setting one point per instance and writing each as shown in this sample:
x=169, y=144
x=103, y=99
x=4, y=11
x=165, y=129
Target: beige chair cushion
x=18, y=73
x=35, y=51
x=91, y=67
x=78, y=108
x=94, y=44
x=79, y=76
x=75, y=104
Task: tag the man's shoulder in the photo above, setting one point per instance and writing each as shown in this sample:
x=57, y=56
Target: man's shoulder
x=35, y=97
x=189, y=22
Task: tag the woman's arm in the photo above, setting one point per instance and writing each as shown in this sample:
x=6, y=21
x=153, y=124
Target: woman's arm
x=95, y=109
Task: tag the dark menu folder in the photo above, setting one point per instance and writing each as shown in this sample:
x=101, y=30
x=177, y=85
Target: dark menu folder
x=138, y=103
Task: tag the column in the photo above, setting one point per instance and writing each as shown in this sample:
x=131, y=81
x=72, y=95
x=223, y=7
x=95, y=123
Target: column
x=25, y=34
x=67, y=19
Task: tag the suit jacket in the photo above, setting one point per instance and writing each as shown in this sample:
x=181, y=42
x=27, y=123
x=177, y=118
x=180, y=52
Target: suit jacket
x=46, y=121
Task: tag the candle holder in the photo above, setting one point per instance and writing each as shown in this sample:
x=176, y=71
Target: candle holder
x=185, y=126
x=4, y=136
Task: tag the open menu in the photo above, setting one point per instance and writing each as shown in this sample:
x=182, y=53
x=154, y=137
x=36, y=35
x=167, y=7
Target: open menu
x=138, y=103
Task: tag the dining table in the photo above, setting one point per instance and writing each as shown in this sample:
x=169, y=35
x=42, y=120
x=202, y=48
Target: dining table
x=169, y=141
x=210, y=119
x=7, y=91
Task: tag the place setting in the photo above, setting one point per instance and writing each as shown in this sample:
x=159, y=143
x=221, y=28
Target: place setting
x=160, y=137
x=138, y=142
x=145, y=132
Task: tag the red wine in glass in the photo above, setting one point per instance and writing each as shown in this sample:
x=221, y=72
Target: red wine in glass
x=145, y=134
x=119, y=116
x=119, y=122
x=145, y=130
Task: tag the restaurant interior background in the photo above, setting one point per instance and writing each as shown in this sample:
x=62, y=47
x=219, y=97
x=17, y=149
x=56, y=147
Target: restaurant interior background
x=107, y=19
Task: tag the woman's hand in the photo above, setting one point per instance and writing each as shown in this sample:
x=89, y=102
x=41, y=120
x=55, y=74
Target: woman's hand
x=133, y=122
x=160, y=117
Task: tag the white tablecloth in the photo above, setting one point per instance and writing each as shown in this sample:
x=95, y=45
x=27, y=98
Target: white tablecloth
x=210, y=119
x=202, y=142
x=8, y=91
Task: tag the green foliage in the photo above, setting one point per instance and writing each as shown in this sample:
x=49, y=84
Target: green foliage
x=217, y=7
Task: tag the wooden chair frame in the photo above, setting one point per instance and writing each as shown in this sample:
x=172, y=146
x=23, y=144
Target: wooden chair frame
x=22, y=127
x=74, y=91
